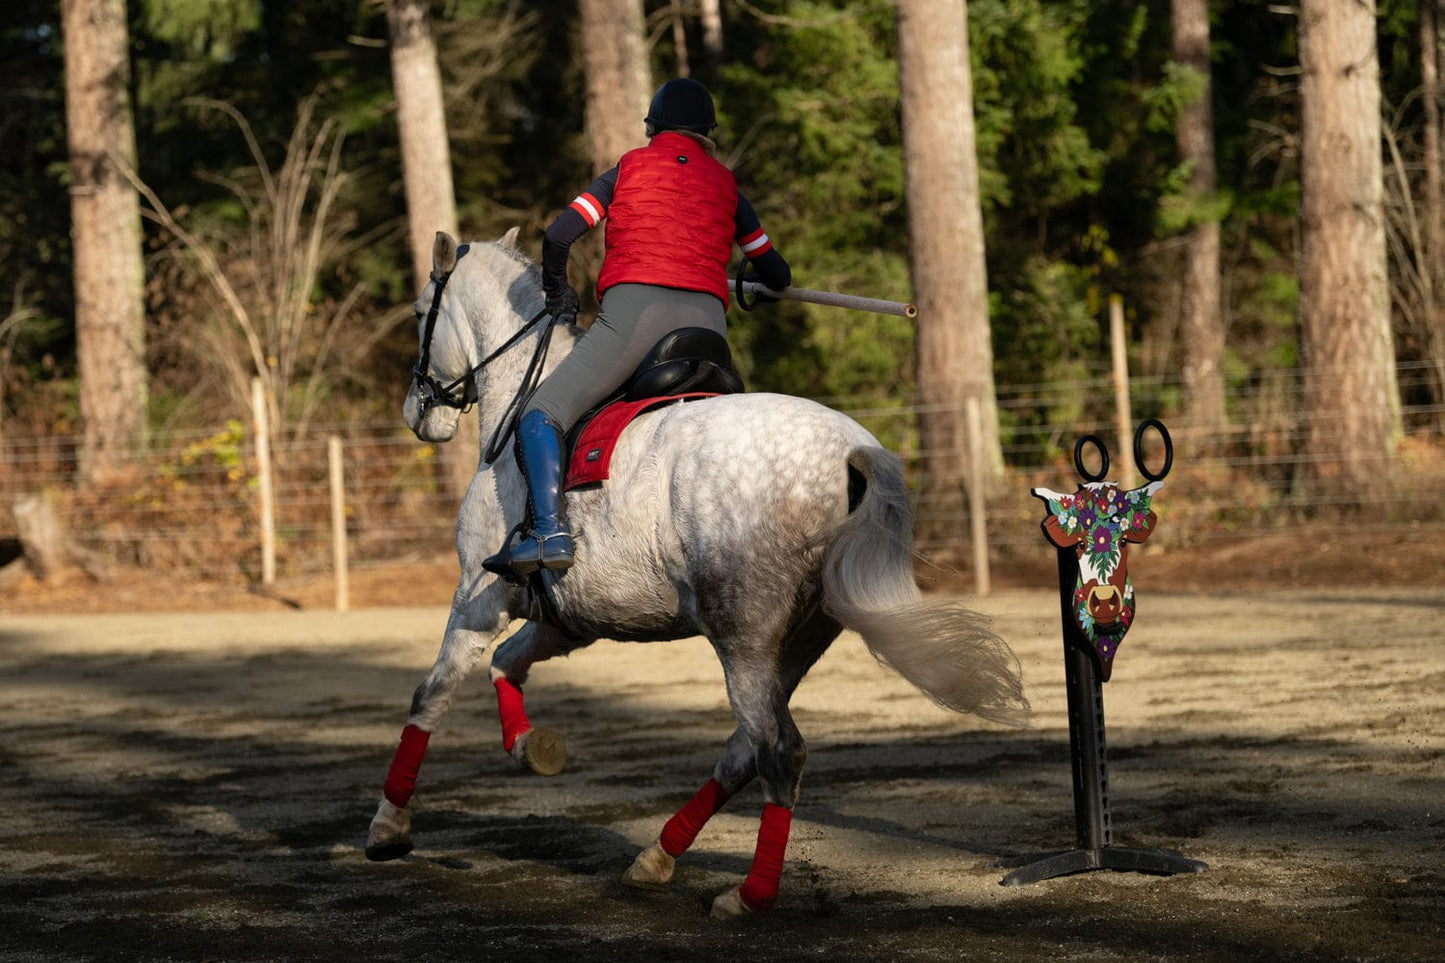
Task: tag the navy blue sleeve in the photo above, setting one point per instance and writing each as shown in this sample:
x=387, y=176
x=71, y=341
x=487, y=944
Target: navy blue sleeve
x=585, y=212
x=772, y=269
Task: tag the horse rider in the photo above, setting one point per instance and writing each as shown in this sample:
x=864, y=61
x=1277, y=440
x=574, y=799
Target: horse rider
x=673, y=213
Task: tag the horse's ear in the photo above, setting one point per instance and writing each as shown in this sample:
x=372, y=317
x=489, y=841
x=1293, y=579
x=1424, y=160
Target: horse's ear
x=443, y=254
x=509, y=240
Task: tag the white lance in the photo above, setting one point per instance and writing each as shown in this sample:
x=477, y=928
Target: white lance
x=875, y=305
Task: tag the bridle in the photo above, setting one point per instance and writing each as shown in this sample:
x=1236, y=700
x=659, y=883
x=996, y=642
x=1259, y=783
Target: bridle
x=433, y=394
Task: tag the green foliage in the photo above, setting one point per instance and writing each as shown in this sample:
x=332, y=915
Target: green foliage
x=201, y=29
x=1050, y=335
x=1180, y=210
x=222, y=450
x=1075, y=101
x=1042, y=169
x=1025, y=64
x=1181, y=86
x=811, y=96
x=1179, y=207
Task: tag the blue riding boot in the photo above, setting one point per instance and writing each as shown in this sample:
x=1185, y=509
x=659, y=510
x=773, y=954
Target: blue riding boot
x=549, y=542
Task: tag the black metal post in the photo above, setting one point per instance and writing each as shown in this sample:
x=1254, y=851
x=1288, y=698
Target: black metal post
x=1087, y=749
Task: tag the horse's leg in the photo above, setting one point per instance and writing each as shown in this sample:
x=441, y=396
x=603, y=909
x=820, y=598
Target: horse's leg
x=653, y=867
x=471, y=628
x=759, y=690
x=767, y=744
x=780, y=752
x=543, y=750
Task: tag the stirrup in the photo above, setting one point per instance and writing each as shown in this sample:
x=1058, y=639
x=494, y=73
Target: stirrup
x=515, y=562
x=560, y=557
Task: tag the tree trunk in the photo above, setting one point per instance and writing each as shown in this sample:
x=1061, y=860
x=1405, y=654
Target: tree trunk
x=712, y=35
x=422, y=126
x=43, y=541
x=679, y=40
x=955, y=353
x=427, y=170
x=614, y=57
x=1351, y=399
x=106, y=234
x=1200, y=324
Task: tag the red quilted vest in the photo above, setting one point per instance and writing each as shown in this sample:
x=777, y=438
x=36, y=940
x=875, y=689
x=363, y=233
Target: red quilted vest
x=671, y=221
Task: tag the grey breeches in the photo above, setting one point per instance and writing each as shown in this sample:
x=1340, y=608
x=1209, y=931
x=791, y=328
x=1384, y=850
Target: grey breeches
x=632, y=319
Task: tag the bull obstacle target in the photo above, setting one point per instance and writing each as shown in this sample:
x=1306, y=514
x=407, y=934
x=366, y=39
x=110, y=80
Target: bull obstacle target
x=1091, y=529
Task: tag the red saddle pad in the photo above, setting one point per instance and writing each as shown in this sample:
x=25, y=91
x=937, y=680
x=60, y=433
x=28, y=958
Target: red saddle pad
x=592, y=455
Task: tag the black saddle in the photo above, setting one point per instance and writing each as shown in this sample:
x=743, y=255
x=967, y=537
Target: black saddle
x=682, y=361
x=688, y=359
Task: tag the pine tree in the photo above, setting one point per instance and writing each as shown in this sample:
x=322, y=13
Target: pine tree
x=1351, y=399
x=955, y=353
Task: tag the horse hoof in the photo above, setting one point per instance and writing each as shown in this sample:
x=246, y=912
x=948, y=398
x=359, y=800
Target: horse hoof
x=730, y=905
x=543, y=750
x=390, y=836
x=651, y=870
x=382, y=852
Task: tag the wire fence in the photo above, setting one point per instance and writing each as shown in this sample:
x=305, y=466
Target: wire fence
x=189, y=503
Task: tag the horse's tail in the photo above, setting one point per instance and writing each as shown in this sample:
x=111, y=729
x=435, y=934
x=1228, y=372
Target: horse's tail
x=945, y=649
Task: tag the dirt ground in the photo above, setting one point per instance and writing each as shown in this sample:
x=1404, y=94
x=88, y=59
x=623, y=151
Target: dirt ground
x=196, y=785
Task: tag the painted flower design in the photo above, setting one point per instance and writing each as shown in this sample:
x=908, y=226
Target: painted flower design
x=1099, y=520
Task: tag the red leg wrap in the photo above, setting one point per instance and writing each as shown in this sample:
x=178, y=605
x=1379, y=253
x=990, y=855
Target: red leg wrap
x=682, y=829
x=509, y=708
x=401, y=777
x=760, y=888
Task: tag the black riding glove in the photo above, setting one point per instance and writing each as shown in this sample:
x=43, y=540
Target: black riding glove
x=773, y=270
x=562, y=305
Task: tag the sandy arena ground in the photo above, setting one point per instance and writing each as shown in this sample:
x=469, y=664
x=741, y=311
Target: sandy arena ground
x=198, y=787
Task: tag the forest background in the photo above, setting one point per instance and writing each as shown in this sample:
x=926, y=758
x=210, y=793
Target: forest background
x=268, y=147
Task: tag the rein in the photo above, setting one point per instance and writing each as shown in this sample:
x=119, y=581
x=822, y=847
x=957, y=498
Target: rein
x=434, y=393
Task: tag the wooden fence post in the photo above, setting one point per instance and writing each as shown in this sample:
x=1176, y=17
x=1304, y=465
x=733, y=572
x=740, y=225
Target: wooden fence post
x=263, y=470
x=977, y=508
x=1123, y=416
x=338, y=522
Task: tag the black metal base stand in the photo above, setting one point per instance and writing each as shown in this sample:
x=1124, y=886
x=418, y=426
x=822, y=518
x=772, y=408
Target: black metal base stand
x=1091, y=775
x=1157, y=862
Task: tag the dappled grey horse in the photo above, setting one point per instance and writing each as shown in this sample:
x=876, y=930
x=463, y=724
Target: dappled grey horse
x=763, y=522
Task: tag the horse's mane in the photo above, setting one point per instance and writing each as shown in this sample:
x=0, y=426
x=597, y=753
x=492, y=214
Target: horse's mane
x=506, y=247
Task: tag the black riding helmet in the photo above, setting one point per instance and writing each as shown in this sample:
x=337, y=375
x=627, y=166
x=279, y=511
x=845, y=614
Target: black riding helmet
x=681, y=104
